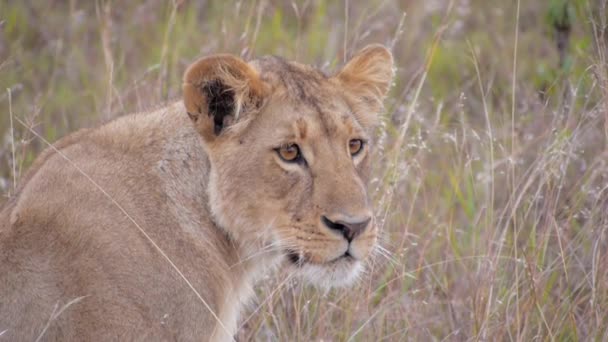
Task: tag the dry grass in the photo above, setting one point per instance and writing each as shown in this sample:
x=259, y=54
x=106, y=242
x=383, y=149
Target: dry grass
x=491, y=177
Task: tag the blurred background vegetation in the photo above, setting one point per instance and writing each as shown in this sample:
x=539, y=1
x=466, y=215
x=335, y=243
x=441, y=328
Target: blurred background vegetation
x=491, y=174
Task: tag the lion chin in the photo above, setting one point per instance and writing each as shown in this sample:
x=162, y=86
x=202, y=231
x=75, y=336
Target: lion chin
x=340, y=272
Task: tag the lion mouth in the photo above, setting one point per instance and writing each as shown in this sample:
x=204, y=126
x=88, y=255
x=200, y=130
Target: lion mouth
x=295, y=258
x=298, y=259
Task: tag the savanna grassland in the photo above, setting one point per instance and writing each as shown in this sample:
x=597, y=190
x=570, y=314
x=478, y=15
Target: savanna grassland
x=491, y=173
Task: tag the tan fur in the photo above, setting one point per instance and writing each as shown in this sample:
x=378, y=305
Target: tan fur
x=212, y=193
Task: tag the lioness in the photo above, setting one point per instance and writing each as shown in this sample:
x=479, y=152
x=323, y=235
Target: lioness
x=157, y=225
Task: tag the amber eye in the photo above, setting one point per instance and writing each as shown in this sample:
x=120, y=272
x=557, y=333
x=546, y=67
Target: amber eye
x=355, y=146
x=289, y=152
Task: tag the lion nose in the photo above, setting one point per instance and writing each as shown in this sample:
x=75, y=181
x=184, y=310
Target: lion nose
x=349, y=227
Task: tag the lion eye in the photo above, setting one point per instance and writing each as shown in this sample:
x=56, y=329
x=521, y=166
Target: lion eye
x=355, y=146
x=289, y=153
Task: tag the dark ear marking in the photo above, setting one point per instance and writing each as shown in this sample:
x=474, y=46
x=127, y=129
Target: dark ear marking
x=220, y=91
x=220, y=99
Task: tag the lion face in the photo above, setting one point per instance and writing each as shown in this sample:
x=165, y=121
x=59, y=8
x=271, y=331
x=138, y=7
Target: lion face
x=290, y=156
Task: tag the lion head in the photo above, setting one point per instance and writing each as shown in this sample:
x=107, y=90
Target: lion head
x=289, y=148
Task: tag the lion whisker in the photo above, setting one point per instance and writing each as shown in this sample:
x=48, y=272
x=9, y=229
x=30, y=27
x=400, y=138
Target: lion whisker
x=265, y=250
x=386, y=254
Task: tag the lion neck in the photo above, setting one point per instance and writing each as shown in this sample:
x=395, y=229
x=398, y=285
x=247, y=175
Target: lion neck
x=185, y=171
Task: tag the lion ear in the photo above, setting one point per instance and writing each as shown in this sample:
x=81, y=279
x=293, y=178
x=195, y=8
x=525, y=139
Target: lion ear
x=219, y=92
x=368, y=75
